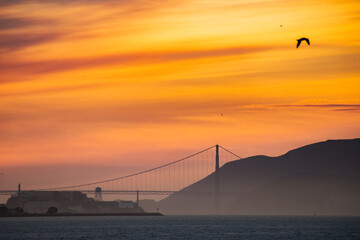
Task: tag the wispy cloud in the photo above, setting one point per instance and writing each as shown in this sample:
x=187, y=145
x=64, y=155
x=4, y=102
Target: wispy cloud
x=10, y=23
x=56, y=90
x=120, y=59
x=11, y=42
x=17, y=2
x=151, y=112
x=331, y=107
x=318, y=105
x=335, y=107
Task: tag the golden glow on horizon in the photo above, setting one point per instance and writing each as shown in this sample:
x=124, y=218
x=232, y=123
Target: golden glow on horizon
x=79, y=79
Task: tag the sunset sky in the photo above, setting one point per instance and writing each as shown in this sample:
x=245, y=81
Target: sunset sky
x=133, y=84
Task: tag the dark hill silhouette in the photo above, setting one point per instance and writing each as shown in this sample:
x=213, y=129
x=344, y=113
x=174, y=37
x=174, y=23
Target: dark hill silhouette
x=322, y=177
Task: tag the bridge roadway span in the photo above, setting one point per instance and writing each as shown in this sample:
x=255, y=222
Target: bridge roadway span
x=128, y=192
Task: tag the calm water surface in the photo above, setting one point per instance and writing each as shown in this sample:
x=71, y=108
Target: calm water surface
x=181, y=227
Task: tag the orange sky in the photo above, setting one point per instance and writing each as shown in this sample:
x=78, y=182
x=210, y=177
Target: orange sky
x=101, y=82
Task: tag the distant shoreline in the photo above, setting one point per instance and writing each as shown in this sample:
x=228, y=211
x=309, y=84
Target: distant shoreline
x=79, y=214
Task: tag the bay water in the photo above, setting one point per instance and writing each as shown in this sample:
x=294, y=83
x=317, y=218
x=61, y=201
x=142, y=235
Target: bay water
x=181, y=227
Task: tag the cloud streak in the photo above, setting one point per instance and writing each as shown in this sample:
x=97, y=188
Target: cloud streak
x=331, y=107
x=40, y=67
x=334, y=107
x=318, y=105
x=19, y=2
x=57, y=90
x=152, y=112
x=11, y=23
x=12, y=42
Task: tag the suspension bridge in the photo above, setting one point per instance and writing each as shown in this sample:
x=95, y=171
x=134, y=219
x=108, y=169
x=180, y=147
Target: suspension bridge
x=161, y=180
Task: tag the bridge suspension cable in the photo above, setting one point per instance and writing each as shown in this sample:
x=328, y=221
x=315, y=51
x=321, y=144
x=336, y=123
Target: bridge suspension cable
x=169, y=177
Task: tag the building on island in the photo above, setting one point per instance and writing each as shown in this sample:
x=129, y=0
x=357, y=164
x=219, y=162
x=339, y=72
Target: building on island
x=68, y=202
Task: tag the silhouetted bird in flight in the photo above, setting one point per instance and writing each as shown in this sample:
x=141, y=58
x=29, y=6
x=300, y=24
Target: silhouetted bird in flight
x=302, y=39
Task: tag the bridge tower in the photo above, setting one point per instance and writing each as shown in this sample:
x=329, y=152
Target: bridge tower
x=217, y=182
x=137, y=198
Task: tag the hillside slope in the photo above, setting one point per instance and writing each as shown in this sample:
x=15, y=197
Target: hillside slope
x=322, y=177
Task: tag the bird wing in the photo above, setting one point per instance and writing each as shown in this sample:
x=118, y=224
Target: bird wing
x=308, y=41
x=298, y=44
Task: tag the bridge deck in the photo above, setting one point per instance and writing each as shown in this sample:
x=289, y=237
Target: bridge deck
x=128, y=192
